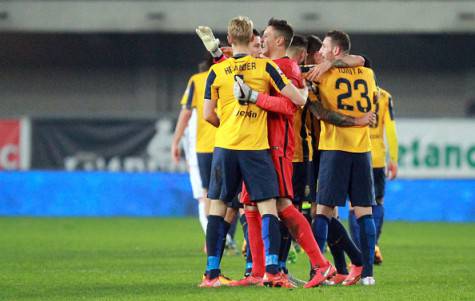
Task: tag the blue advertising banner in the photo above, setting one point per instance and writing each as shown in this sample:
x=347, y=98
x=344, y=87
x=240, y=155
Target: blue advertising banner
x=41, y=193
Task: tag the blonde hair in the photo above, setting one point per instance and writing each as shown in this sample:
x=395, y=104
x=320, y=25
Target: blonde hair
x=240, y=29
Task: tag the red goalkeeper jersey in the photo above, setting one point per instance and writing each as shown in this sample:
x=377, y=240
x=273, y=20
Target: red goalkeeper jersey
x=280, y=117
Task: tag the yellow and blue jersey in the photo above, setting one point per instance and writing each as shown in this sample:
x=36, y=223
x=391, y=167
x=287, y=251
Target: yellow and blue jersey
x=242, y=127
x=194, y=98
x=385, y=123
x=303, y=150
x=348, y=91
x=188, y=100
x=313, y=123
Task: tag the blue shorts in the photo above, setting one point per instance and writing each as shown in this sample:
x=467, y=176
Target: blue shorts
x=235, y=203
x=379, y=176
x=316, y=163
x=342, y=175
x=204, y=164
x=303, y=181
x=231, y=167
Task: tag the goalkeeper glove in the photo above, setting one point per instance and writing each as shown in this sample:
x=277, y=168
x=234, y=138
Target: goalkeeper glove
x=211, y=43
x=243, y=93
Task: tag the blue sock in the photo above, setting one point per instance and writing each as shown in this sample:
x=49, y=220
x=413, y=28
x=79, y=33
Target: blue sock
x=214, y=238
x=271, y=238
x=285, y=242
x=248, y=270
x=337, y=251
x=226, y=227
x=243, y=221
x=378, y=215
x=339, y=237
x=354, y=228
x=368, y=241
x=232, y=227
x=320, y=230
x=248, y=255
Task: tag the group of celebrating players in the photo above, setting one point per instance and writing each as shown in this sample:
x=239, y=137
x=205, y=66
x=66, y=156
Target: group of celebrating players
x=283, y=121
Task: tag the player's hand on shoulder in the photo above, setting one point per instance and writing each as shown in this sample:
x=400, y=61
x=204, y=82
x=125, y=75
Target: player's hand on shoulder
x=373, y=118
x=367, y=119
x=318, y=71
x=243, y=93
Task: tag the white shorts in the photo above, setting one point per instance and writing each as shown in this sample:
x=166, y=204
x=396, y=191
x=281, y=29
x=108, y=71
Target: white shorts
x=189, y=146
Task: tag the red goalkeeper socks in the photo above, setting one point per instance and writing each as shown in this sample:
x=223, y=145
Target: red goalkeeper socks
x=302, y=232
x=254, y=229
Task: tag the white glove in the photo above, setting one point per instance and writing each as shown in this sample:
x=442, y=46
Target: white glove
x=243, y=93
x=211, y=43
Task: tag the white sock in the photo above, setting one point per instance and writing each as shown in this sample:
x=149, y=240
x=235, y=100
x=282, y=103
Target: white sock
x=202, y=216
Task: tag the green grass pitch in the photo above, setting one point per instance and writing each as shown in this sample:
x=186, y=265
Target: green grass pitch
x=162, y=259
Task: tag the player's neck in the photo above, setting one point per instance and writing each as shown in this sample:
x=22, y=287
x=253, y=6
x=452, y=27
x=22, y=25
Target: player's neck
x=277, y=54
x=240, y=49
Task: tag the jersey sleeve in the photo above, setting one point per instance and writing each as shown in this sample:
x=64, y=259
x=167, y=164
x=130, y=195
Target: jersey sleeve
x=187, y=98
x=391, y=134
x=296, y=77
x=211, y=91
x=277, y=104
x=277, y=78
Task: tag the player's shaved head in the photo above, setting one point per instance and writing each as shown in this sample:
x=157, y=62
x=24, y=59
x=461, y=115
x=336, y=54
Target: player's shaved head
x=298, y=49
x=282, y=29
x=313, y=44
x=299, y=41
x=340, y=39
x=240, y=29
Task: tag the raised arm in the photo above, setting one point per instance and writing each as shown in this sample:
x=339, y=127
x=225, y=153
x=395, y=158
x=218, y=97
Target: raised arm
x=209, y=41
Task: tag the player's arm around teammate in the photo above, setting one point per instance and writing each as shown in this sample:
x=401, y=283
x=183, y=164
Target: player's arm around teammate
x=345, y=166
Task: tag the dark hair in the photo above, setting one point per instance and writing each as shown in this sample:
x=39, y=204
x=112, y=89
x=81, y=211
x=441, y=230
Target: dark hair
x=206, y=63
x=284, y=29
x=341, y=39
x=313, y=44
x=256, y=32
x=299, y=41
x=367, y=62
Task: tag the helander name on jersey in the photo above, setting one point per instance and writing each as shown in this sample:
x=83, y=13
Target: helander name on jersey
x=240, y=67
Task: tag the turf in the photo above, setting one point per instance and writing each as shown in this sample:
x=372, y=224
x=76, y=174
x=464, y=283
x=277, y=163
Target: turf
x=162, y=259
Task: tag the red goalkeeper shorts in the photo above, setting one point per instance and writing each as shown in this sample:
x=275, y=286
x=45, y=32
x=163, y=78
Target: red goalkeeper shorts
x=284, y=170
